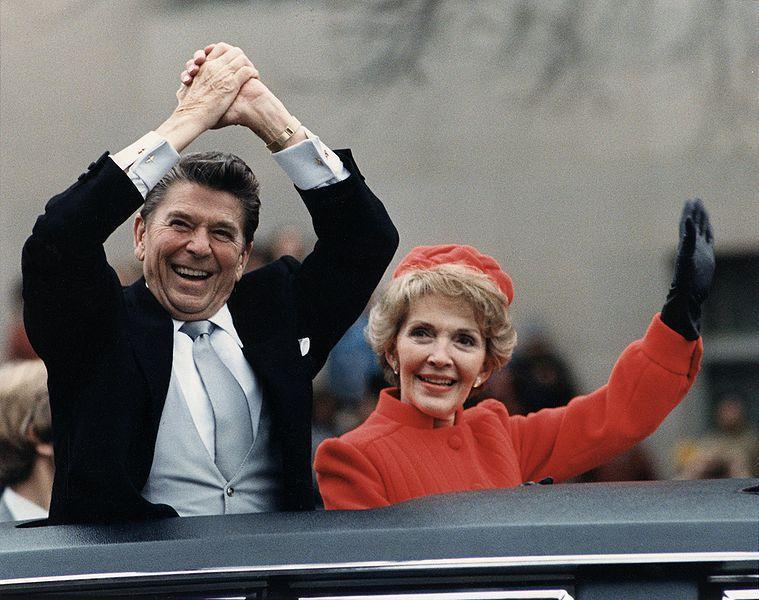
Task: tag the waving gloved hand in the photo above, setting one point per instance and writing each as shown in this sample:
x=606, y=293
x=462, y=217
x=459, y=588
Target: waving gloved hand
x=694, y=272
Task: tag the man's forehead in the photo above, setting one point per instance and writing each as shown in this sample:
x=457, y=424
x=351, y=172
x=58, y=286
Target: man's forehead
x=194, y=200
x=204, y=215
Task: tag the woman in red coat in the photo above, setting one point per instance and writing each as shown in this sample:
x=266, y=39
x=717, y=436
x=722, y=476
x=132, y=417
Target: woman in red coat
x=443, y=326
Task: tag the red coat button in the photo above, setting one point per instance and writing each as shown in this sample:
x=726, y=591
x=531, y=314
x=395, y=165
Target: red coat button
x=454, y=442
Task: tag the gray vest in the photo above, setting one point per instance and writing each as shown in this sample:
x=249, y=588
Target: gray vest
x=184, y=476
x=5, y=512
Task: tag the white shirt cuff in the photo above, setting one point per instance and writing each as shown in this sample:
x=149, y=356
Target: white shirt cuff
x=310, y=164
x=148, y=160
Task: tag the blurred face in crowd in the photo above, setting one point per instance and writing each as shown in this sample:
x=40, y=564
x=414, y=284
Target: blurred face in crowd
x=193, y=249
x=729, y=415
x=439, y=354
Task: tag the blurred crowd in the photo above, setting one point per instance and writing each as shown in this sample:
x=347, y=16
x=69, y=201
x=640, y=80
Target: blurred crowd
x=345, y=394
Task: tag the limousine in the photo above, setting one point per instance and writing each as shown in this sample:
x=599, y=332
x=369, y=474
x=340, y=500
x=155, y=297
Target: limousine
x=670, y=540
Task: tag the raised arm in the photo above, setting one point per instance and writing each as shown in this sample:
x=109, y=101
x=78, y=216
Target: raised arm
x=356, y=239
x=649, y=379
x=67, y=280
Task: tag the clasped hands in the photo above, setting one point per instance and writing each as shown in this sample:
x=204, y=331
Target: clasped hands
x=220, y=87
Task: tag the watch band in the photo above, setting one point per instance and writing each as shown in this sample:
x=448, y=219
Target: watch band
x=279, y=142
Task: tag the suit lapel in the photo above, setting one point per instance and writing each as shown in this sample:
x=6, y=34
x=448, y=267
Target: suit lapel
x=267, y=327
x=286, y=386
x=151, y=333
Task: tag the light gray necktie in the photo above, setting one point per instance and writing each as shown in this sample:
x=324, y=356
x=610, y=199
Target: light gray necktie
x=234, y=432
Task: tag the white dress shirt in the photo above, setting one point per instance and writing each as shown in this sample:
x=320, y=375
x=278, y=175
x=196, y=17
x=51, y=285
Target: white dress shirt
x=309, y=164
x=228, y=347
x=20, y=508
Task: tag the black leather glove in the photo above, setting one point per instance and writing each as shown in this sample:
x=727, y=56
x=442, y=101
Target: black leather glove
x=694, y=272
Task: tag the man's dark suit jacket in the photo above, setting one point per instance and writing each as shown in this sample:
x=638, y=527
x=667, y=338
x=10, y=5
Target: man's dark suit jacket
x=108, y=349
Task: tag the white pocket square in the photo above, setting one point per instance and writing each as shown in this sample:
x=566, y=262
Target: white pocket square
x=305, y=344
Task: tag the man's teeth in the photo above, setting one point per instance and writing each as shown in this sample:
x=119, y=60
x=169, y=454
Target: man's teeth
x=190, y=272
x=437, y=380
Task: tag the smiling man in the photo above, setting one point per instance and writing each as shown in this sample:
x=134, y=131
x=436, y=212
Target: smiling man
x=192, y=238
x=189, y=392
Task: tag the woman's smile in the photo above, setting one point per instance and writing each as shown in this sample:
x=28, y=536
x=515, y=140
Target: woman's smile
x=440, y=354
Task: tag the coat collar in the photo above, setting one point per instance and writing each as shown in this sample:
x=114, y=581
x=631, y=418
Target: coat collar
x=222, y=319
x=390, y=406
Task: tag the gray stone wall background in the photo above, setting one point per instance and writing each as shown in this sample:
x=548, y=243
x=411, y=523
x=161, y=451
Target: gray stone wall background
x=560, y=137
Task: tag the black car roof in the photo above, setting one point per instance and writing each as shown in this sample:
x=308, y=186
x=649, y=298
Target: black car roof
x=527, y=525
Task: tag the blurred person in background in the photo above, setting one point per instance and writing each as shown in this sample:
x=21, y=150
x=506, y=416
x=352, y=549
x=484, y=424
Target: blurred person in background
x=536, y=377
x=541, y=378
x=729, y=449
x=350, y=416
x=287, y=241
x=260, y=256
x=26, y=448
x=352, y=365
x=440, y=329
x=128, y=272
x=323, y=420
x=636, y=464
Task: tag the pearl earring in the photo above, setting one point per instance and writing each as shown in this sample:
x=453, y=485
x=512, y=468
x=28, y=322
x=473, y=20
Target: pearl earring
x=477, y=382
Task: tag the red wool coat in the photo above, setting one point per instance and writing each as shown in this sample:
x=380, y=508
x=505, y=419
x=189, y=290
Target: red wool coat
x=396, y=454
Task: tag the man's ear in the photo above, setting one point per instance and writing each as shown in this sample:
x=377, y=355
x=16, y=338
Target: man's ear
x=40, y=447
x=244, y=259
x=44, y=449
x=139, y=237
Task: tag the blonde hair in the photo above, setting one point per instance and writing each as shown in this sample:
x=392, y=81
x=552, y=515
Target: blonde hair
x=455, y=281
x=24, y=408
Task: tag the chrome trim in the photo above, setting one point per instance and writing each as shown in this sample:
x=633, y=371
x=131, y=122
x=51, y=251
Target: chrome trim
x=481, y=595
x=747, y=578
x=435, y=563
x=740, y=595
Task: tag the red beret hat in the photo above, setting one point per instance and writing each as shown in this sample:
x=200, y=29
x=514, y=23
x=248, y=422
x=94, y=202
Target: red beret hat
x=425, y=257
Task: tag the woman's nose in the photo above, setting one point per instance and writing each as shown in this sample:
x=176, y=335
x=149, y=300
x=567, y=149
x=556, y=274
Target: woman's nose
x=439, y=355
